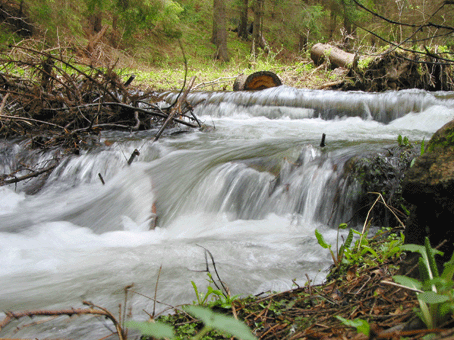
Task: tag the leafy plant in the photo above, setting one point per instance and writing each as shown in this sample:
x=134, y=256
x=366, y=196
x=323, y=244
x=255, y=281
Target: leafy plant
x=363, y=63
x=434, y=291
x=201, y=298
x=338, y=256
x=158, y=330
x=404, y=142
x=211, y=320
x=421, y=152
x=364, y=252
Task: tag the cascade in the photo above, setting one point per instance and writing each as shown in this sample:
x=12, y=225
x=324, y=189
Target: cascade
x=252, y=190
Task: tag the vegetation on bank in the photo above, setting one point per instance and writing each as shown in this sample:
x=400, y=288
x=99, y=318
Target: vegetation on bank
x=362, y=298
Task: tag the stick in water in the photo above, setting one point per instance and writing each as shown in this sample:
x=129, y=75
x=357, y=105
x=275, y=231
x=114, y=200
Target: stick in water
x=322, y=143
x=133, y=155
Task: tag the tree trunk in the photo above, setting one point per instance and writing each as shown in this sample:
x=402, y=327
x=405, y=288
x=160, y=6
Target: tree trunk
x=242, y=27
x=219, y=30
x=257, y=26
x=95, y=20
x=332, y=24
x=123, y=4
x=336, y=57
x=214, y=31
x=302, y=42
x=348, y=26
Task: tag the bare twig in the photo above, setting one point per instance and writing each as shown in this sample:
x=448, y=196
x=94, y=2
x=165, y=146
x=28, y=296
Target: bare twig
x=2, y=105
x=93, y=310
x=31, y=120
x=391, y=283
x=123, y=315
x=216, y=81
x=156, y=111
x=226, y=291
x=175, y=109
x=156, y=291
x=23, y=178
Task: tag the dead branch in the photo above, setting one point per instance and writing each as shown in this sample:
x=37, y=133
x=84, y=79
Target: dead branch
x=214, y=82
x=95, y=40
x=93, y=310
x=58, y=93
x=154, y=111
x=23, y=178
x=31, y=120
x=175, y=110
x=2, y=105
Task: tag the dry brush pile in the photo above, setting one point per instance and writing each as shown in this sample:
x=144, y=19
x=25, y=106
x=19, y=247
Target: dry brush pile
x=60, y=102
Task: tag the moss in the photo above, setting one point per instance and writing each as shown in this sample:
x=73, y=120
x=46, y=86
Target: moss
x=442, y=141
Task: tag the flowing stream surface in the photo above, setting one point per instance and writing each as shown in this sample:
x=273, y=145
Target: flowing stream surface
x=251, y=191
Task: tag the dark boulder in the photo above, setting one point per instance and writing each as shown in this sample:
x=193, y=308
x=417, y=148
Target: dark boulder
x=383, y=173
x=429, y=186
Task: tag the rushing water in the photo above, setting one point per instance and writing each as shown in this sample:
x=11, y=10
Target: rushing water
x=252, y=191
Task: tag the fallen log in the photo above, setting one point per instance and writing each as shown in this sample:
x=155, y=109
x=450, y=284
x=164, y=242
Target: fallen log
x=336, y=57
x=256, y=81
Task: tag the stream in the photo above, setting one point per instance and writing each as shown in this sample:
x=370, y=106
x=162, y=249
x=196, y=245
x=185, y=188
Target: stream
x=252, y=190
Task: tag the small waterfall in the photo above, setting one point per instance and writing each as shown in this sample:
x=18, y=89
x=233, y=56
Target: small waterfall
x=304, y=103
x=312, y=187
x=73, y=192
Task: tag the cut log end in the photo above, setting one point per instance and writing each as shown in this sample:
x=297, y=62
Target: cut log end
x=256, y=81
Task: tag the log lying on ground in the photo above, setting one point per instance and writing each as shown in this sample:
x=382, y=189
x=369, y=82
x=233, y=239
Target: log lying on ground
x=321, y=53
x=256, y=81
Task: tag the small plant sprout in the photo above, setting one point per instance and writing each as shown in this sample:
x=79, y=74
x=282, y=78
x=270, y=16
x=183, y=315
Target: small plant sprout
x=362, y=326
x=213, y=297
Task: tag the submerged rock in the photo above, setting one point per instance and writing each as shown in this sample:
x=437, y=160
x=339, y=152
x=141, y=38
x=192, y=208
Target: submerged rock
x=380, y=173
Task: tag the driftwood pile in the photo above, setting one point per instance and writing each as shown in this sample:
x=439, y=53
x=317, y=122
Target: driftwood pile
x=391, y=70
x=63, y=103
